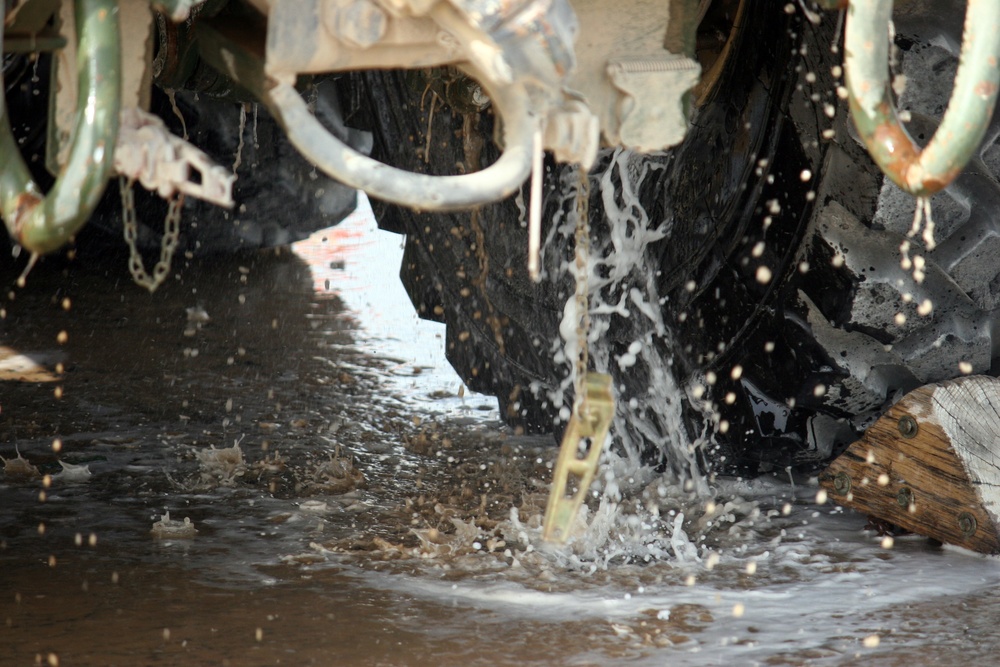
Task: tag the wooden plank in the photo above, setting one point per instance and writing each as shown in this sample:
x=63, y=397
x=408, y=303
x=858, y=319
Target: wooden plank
x=930, y=465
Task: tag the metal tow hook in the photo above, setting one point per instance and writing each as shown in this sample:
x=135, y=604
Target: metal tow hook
x=43, y=223
x=589, y=425
x=921, y=172
x=520, y=53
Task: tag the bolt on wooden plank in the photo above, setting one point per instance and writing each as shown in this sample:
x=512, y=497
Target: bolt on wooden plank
x=930, y=465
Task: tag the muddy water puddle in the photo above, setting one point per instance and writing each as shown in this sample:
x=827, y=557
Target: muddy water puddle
x=348, y=503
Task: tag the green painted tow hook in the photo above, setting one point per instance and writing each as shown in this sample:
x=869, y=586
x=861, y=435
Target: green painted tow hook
x=921, y=172
x=43, y=223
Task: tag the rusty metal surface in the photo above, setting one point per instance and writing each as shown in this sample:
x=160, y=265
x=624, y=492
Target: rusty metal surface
x=921, y=172
x=43, y=225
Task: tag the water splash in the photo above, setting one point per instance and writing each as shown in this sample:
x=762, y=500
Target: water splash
x=653, y=448
x=624, y=297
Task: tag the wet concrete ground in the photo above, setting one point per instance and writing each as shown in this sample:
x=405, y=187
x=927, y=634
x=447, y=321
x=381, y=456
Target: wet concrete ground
x=366, y=516
x=255, y=350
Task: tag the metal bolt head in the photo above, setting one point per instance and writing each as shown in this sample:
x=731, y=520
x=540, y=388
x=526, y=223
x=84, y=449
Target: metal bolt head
x=967, y=524
x=907, y=426
x=466, y=95
x=842, y=483
x=905, y=497
x=360, y=23
x=479, y=96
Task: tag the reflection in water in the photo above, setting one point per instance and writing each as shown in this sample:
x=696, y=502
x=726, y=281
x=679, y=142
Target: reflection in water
x=256, y=350
x=366, y=515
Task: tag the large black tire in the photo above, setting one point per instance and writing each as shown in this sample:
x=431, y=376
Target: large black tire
x=764, y=286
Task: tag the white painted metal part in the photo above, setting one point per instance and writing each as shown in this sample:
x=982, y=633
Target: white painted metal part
x=149, y=153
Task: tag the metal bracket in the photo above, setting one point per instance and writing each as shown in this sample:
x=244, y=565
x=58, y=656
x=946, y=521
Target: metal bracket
x=163, y=162
x=519, y=101
x=634, y=69
x=651, y=113
x=589, y=426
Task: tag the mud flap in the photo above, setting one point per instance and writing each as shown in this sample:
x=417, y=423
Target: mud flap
x=930, y=465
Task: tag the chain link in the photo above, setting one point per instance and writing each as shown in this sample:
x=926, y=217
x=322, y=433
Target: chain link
x=582, y=238
x=171, y=234
x=593, y=406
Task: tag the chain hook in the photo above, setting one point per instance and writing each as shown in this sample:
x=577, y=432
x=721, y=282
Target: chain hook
x=168, y=245
x=593, y=404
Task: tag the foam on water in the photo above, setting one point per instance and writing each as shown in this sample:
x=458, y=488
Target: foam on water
x=800, y=581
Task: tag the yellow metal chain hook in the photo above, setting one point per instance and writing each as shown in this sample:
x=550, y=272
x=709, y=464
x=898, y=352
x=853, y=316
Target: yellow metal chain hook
x=594, y=405
x=589, y=425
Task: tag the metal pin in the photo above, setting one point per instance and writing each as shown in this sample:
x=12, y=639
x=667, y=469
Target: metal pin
x=535, y=208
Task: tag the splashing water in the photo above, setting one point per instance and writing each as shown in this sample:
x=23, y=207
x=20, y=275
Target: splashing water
x=624, y=297
x=624, y=293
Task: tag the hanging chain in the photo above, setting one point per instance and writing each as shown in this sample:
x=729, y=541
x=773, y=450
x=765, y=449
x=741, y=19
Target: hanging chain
x=171, y=234
x=582, y=239
x=593, y=406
